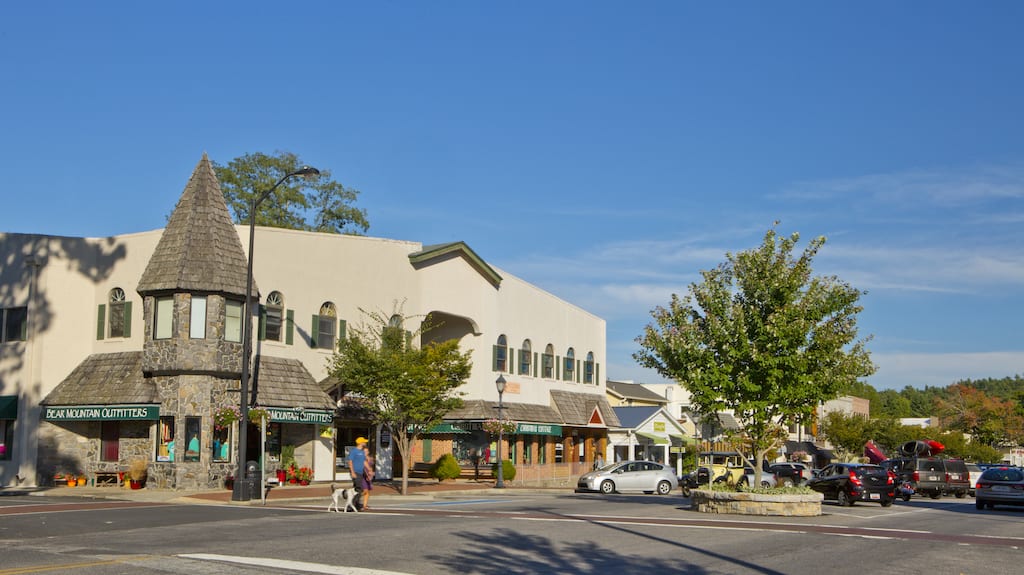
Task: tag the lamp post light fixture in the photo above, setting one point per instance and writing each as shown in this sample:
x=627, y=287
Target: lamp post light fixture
x=240, y=490
x=500, y=385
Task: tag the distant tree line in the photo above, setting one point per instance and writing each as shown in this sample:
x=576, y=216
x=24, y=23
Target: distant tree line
x=977, y=419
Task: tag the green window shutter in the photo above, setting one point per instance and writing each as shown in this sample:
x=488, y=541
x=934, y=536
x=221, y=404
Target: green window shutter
x=263, y=323
x=127, y=319
x=289, y=334
x=519, y=361
x=101, y=320
x=577, y=371
x=597, y=373
x=558, y=367
x=494, y=358
x=428, y=454
x=535, y=362
x=342, y=325
x=314, y=329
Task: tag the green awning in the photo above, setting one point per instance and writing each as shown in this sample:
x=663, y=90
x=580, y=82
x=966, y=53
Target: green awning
x=8, y=407
x=444, y=428
x=682, y=439
x=654, y=437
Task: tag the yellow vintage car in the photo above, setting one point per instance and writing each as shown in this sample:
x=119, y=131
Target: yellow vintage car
x=726, y=466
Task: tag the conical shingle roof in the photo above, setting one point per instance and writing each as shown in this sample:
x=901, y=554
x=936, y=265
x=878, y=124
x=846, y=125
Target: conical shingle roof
x=199, y=249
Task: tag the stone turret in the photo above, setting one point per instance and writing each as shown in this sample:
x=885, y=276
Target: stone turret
x=196, y=274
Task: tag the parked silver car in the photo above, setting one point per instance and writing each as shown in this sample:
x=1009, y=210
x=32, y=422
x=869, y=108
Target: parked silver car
x=646, y=476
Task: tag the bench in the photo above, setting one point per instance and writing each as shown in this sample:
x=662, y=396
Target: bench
x=108, y=478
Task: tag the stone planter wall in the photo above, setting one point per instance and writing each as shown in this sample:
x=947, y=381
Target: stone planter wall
x=742, y=503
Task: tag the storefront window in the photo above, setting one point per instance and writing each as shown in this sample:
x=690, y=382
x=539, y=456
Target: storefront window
x=542, y=449
x=527, y=450
x=466, y=446
x=193, y=436
x=165, y=439
x=221, y=443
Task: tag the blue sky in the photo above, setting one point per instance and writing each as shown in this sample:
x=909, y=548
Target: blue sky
x=604, y=151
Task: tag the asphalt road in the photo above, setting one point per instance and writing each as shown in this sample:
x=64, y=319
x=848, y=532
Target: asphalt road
x=506, y=534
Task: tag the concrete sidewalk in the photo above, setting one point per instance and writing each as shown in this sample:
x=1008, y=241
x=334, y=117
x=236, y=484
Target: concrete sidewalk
x=382, y=491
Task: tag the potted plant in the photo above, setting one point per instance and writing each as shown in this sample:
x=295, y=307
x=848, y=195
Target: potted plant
x=82, y=480
x=137, y=471
x=304, y=475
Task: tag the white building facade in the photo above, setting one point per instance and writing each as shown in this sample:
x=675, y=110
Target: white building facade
x=112, y=348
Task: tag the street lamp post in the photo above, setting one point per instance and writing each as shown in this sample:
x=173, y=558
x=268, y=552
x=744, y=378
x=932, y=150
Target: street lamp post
x=240, y=491
x=500, y=384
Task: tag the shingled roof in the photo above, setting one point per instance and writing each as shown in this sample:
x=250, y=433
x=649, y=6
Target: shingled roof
x=576, y=408
x=634, y=391
x=199, y=249
x=287, y=383
x=529, y=412
x=105, y=379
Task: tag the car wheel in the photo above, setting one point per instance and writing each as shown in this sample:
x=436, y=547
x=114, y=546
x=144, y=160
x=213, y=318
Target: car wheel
x=979, y=504
x=766, y=484
x=664, y=488
x=787, y=482
x=843, y=500
x=607, y=486
x=686, y=491
x=935, y=495
x=887, y=503
x=906, y=496
x=960, y=495
x=743, y=481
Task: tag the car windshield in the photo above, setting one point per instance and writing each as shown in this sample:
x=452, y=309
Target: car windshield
x=1003, y=474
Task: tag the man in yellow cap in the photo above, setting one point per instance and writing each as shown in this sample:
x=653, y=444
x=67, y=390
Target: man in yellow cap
x=357, y=467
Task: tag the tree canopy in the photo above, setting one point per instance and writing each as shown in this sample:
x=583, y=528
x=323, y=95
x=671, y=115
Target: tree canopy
x=319, y=204
x=408, y=389
x=762, y=337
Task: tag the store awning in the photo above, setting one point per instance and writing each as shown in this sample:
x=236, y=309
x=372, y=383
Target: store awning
x=8, y=407
x=443, y=428
x=654, y=437
x=300, y=415
x=682, y=439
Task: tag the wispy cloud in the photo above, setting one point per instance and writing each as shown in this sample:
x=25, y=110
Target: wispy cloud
x=941, y=187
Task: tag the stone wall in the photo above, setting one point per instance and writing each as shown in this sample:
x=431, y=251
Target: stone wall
x=743, y=503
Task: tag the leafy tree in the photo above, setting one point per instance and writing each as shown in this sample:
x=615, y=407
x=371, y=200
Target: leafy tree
x=762, y=337
x=847, y=432
x=319, y=204
x=891, y=403
x=407, y=388
x=989, y=420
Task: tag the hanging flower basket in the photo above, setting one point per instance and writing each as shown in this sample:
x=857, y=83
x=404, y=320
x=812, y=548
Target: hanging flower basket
x=495, y=426
x=225, y=416
x=258, y=414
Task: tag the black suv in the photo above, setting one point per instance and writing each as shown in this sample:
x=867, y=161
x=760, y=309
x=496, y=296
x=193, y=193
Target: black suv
x=931, y=476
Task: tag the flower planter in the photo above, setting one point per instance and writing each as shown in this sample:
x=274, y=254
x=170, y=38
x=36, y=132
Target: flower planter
x=135, y=483
x=72, y=482
x=82, y=481
x=303, y=482
x=745, y=503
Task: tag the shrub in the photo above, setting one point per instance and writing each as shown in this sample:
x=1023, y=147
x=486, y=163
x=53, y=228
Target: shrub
x=508, y=471
x=446, y=467
x=138, y=469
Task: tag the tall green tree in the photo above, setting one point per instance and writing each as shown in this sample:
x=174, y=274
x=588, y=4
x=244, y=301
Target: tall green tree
x=319, y=204
x=408, y=389
x=762, y=337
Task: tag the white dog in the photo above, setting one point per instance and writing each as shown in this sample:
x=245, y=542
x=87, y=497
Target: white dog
x=345, y=494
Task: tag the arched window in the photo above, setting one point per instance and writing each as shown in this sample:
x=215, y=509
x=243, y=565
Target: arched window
x=325, y=326
x=588, y=368
x=118, y=320
x=501, y=354
x=569, y=365
x=547, y=362
x=525, y=358
x=274, y=316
